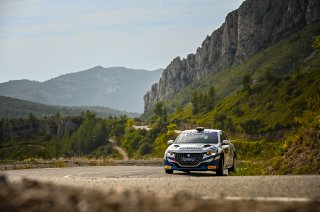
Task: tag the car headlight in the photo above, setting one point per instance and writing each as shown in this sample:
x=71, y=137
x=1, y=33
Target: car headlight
x=170, y=153
x=211, y=152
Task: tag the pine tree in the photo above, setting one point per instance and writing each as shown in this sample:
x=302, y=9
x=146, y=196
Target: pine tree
x=195, y=102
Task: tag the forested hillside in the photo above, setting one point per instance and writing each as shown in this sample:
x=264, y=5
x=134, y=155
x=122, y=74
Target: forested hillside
x=52, y=137
x=16, y=108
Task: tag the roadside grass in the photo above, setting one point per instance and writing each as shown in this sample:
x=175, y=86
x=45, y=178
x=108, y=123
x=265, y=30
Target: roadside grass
x=50, y=163
x=31, y=147
x=248, y=168
x=40, y=147
x=32, y=163
x=257, y=157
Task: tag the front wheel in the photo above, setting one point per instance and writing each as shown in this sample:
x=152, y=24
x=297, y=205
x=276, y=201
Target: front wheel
x=168, y=171
x=219, y=171
x=233, y=167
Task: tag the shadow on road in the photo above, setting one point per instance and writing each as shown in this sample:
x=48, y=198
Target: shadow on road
x=197, y=174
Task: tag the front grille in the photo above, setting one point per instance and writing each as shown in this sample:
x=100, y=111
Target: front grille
x=188, y=159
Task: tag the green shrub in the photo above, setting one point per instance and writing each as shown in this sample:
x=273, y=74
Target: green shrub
x=252, y=126
x=145, y=148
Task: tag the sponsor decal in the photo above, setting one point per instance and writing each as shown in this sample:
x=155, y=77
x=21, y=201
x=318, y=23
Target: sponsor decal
x=189, y=159
x=190, y=148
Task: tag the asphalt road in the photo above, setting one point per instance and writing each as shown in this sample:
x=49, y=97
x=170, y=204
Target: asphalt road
x=154, y=181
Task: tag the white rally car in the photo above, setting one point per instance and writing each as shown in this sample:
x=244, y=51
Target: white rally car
x=200, y=150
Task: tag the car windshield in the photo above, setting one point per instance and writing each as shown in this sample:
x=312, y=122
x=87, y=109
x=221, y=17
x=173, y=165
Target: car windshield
x=205, y=137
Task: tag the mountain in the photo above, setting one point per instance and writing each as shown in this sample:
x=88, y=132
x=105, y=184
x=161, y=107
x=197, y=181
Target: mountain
x=254, y=26
x=117, y=87
x=281, y=80
x=256, y=77
x=17, y=86
x=16, y=108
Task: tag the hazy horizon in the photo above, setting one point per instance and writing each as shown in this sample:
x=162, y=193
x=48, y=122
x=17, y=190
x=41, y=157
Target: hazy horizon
x=44, y=39
x=75, y=72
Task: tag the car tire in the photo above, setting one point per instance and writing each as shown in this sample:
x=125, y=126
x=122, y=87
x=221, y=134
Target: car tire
x=233, y=167
x=169, y=171
x=219, y=171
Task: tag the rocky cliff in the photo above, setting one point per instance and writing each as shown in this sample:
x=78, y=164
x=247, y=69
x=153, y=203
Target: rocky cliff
x=253, y=26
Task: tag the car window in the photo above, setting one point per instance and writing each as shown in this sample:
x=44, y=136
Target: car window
x=205, y=137
x=222, y=137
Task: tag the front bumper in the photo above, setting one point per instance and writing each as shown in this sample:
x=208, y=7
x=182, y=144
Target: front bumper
x=207, y=165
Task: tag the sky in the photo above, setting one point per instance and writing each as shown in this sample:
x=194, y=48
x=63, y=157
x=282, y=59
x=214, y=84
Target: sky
x=42, y=39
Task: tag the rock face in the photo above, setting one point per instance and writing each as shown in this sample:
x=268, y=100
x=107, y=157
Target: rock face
x=253, y=26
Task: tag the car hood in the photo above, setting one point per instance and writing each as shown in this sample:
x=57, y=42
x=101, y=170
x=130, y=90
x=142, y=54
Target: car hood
x=192, y=147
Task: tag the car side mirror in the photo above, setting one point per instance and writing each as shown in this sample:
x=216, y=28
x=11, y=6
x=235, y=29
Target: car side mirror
x=225, y=142
x=170, y=142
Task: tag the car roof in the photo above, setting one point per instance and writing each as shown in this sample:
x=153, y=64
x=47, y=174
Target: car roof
x=205, y=130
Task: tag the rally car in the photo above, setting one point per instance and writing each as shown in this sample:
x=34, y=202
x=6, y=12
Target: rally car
x=200, y=150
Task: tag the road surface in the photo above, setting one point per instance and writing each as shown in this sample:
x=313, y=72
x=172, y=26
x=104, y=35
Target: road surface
x=153, y=180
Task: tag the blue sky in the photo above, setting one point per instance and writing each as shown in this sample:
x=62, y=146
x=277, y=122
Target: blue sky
x=42, y=39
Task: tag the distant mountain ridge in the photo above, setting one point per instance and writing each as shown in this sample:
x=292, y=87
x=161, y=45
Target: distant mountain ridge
x=255, y=25
x=16, y=108
x=118, y=87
